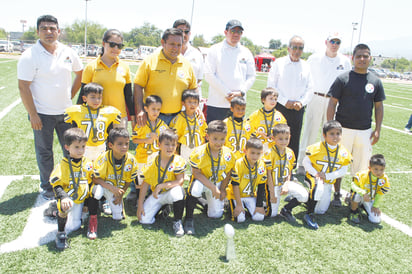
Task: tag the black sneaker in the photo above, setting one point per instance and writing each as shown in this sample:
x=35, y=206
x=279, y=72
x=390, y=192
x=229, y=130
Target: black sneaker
x=310, y=221
x=189, y=227
x=287, y=215
x=47, y=195
x=336, y=202
x=61, y=241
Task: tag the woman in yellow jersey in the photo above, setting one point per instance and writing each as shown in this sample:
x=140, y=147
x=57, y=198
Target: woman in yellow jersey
x=113, y=74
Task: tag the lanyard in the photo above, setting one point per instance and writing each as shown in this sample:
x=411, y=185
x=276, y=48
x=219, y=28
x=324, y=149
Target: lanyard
x=281, y=167
x=114, y=169
x=149, y=146
x=160, y=176
x=214, y=174
x=94, y=139
x=237, y=137
x=268, y=128
x=251, y=178
x=75, y=184
x=331, y=165
x=370, y=185
x=191, y=134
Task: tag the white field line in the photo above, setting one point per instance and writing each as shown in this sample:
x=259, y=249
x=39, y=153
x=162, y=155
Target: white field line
x=2, y=88
x=9, y=108
x=8, y=61
x=399, y=97
x=388, y=105
x=394, y=129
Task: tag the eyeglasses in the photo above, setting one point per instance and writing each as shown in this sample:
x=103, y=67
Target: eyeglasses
x=337, y=42
x=233, y=31
x=296, y=47
x=113, y=44
x=186, y=31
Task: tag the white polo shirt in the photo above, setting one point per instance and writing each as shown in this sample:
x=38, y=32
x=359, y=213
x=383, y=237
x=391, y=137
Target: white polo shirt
x=292, y=80
x=195, y=57
x=325, y=69
x=50, y=76
x=228, y=69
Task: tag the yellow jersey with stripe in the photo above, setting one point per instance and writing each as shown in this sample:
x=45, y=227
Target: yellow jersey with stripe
x=258, y=124
x=143, y=133
x=380, y=186
x=106, y=169
x=82, y=172
x=197, y=125
x=318, y=155
x=241, y=177
x=201, y=159
x=158, y=76
x=113, y=81
x=151, y=170
x=275, y=163
x=232, y=137
x=79, y=114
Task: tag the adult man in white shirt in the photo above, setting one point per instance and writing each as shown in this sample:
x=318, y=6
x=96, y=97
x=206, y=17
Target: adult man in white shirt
x=324, y=67
x=46, y=89
x=229, y=70
x=291, y=77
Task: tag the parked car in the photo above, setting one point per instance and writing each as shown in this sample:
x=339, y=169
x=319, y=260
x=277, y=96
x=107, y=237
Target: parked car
x=6, y=46
x=377, y=72
x=406, y=75
x=92, y=50
x=79, y=49
x=129, y=53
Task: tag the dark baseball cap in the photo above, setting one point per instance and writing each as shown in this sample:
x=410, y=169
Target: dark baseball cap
x=233, y=24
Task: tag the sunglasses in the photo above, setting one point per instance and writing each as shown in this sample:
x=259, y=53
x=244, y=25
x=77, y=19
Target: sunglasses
x=296, y=47
x=113, y=44
x=186, y=31
x=337, y=42
x=233, y=31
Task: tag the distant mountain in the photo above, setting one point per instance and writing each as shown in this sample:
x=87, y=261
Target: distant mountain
x=399, y=47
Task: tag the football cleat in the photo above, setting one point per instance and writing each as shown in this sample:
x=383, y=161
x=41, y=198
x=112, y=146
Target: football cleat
x=287, y=215
x=354, y=217
x=47, y=195
x=189, y=227
x=61, y=241
x=92, y=231
x=178, y=228
x=106, y=208
x=336, y=202
x=310, y=221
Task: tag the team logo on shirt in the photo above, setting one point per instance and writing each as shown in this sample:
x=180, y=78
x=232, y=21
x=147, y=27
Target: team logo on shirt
x=181, y=73
x=201, y=122
x=68, y=60
x=340, y=67
x=171, y=167
x=344, y=153
x=120, y=70
x=89, y=166
x=261, y=170
x=369, y=88
x=243, y=61
x=228, y=157
x=162, y=128
x=247, y=127
x=289, y=155
x=128, y=167
x=381, y=182
x=278, y=118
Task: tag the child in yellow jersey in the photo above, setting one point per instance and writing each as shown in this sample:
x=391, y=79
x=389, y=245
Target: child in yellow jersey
x=238, y=130
x=324, y=163
x=263, y=120
x=279, y=162
x=147, y=136
x=247, y=188
x=368, y=188
x=71, y=180
x=189, y=126
x=96, y=120
x=212, y=164
x=164, y=174
x=114, y=170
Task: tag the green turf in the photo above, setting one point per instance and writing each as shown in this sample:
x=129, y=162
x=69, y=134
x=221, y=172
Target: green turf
x=273, y=246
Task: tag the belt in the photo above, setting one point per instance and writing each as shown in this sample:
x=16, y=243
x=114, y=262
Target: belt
x=322, y=94
x=170, y=114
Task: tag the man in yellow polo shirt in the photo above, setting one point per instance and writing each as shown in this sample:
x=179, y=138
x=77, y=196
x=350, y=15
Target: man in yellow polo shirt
x=165, y=73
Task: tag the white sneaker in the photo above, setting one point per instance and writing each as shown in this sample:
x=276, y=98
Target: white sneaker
x=178, y=228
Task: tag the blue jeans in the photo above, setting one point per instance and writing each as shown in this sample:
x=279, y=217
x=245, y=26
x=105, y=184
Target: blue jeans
x=215, y=113
x=167, y=118
x=409, y=124
x=43, y=145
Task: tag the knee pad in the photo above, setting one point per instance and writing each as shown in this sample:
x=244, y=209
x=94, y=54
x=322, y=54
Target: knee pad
x=177, y=193
x=196, y=188
x=97, y=192
x=241, y=218
x=356, y=198
x=258, y=217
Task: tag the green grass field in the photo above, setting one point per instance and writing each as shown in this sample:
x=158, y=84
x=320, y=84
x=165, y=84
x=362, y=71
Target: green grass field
x=271, y=246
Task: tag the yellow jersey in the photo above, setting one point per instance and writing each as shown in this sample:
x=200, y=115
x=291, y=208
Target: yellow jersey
x=277, y=164
x=237, y=136
x=380, y=186
x=197, y=126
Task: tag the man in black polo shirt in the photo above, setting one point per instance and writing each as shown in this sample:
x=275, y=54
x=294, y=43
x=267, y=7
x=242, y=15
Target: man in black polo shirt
x=357, y=93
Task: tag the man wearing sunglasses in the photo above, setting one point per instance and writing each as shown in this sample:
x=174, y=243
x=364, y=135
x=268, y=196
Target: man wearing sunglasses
x=291, y=77
x=229, y=70
x=324, y=67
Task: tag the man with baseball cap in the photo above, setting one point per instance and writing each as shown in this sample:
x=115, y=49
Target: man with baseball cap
x=325, y=67
x=229, y=70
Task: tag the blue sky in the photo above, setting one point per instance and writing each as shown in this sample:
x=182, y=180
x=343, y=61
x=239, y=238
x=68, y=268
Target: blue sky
x=262, y=20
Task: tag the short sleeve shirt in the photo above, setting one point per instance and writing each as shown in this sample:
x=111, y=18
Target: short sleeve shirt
x=241, y=175
x=380, y=186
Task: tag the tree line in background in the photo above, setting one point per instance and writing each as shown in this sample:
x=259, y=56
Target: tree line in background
x=150, y=35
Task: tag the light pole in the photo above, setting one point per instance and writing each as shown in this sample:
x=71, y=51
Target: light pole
x=23, y=22
x=191, y=17
x=361, y=22
x=85, y=31
x=354, y=25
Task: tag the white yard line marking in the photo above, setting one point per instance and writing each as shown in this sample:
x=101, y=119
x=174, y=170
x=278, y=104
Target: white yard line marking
x=8, y=61
x=387, y=105
x=394, y=129
x=9, y=108
x=399, y=97
x=2, y=88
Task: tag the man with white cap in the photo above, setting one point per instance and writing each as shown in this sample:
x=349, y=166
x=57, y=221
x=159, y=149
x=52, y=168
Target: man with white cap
x=324, y=67
x=229, y=70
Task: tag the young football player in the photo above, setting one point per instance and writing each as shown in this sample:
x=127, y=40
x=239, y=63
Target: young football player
x=164, y=174
x=71, y=180
x=238, y=130
x=247, y=188
x=189, y=126
x=212, y=164
x=114, y=170
x=279, y=162
x=96, y=120
x=324, y=163
x=147, y=136
x=368, y=188
x=263, y=120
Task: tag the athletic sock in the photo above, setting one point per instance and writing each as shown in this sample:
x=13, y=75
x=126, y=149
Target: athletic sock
x=61, y=223
x=292, y=204
x=190, y=206
x=178, y=208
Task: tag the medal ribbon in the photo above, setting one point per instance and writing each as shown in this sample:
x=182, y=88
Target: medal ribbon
x=91, y=120
x=268, y=128
x=75, y=184
x=214, y=174
x=237, y=137
x=159, y=172
x=152, y=130
x=251, y=178
x=331, y=165
x=370, y=185
x=281, y=167
x=191, y=134
x=114, y=169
